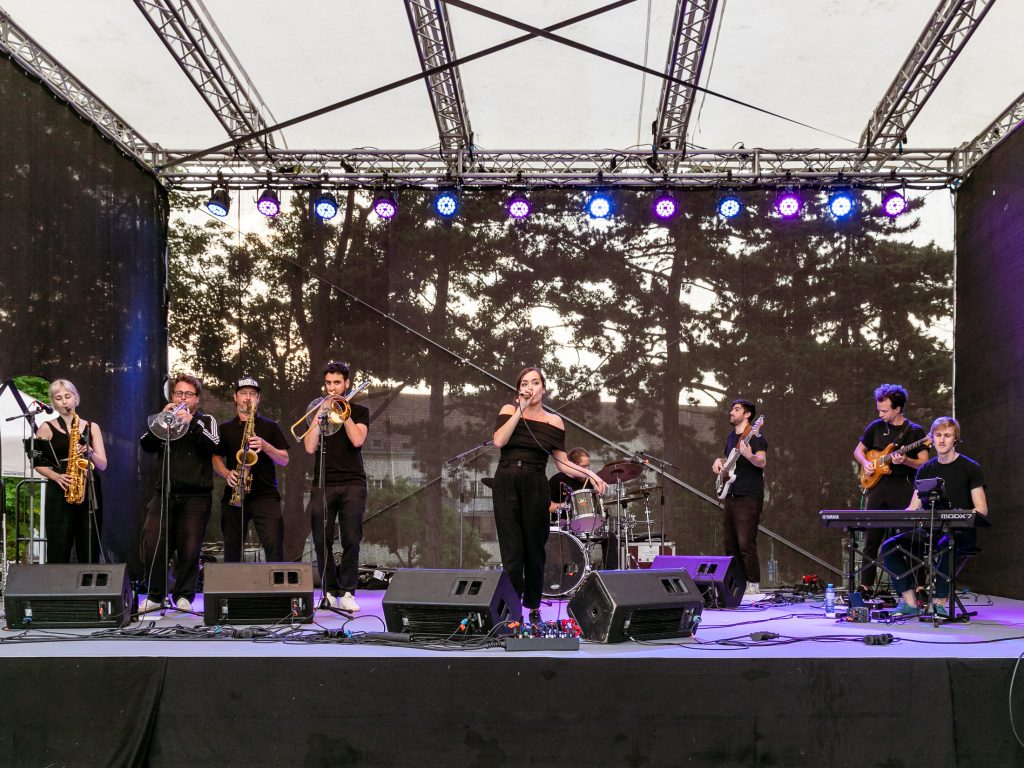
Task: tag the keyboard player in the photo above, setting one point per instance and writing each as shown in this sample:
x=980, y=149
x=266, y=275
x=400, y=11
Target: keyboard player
x=964, y=488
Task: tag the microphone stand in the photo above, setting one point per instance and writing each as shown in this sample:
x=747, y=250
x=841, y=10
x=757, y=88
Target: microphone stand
x=29, y=414
x=91, y=486
x=321, y=451
x=462, y=459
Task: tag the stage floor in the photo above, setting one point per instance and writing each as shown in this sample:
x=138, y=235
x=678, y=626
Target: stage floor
x=997, y=632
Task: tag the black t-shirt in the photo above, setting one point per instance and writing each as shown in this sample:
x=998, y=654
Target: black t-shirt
x=191, y=470
x=344, y=460
x=877, y=435
x=749, y=479
x=264, y=478
x=960, y=477
x=559, y=494
x=531, y=441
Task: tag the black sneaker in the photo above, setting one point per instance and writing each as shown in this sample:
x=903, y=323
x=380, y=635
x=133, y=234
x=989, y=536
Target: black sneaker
x=535, y=616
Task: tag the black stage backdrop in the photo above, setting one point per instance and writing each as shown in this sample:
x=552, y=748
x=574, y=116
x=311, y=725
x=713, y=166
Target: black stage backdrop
x=82, y=276
x=990, y=352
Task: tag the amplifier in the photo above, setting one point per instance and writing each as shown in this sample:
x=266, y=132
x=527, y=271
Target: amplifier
x=643, y=553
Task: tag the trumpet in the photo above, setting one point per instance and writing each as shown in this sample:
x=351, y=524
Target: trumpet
x=333, y=409
x=168, y=424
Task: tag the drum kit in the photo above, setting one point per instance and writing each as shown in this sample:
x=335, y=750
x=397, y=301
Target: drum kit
x=587, y=520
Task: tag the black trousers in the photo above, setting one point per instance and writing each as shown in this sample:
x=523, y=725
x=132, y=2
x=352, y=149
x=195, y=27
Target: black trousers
x=890, y=493
x=265, y=514
x=346, y=504
x=521, y=498
x=187, y=518
x=904, y=557
x=70, y=528
x=739, y=532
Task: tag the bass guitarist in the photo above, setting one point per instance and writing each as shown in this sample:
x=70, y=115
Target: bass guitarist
x=887, y=467
x=744, y=500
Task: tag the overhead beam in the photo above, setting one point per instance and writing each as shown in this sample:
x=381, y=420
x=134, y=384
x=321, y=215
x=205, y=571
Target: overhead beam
x=435, y=47
x=691, y=30
x=17, y=44
x=221, y=83
x=574, y=168
x=1009, y=121
x=941, y=41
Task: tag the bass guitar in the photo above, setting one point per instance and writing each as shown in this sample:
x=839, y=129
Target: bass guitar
x=727, y=476
x=882, y=460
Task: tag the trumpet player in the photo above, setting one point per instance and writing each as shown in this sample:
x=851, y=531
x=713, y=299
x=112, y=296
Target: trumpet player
x=264, y=448
x=343, y=490
x=73, y=520
x=189, y=498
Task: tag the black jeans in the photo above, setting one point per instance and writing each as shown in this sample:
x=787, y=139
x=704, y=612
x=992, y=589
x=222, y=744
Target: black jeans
x=70, y=527
x=905, y=553
x=346, y=504
x=521, y=498
x=890, y=493
x=187, y=518
x=265, y=514
x=739, y=532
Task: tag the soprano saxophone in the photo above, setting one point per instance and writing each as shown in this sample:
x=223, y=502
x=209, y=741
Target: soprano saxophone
x=246, y=459
x=77, y=466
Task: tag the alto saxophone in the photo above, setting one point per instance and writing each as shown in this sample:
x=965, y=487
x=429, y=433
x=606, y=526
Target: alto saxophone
x=245, y=458
x=77, y=466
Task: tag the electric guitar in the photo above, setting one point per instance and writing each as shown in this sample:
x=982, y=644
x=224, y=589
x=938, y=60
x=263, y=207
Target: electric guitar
x=727, y=476
x=882, y=460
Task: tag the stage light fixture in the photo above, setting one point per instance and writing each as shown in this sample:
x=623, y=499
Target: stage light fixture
x=729, y=207
x=664, y=206
x=599, y=206
x=326, y=206
x=385, y=206
x=894, y=204
x=219, y=203
x=446, y=203
x=788, y=204
x=268, y=203
x=841, y=203
x=518, y=206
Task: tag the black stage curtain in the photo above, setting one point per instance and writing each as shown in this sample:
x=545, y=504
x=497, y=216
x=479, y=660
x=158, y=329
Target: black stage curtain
x=82, y=280
x=990, y=353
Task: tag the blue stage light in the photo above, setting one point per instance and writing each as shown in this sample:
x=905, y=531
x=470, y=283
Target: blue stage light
x=840, y=204
x=519, y=206
x=268, y=203
x=664, y=206
x=894, y=204
x=385, y=206
x=446, y=203
x=219, y=203
x=326, y=206
x=788, y=204
x=599, y=206
x=729, y=207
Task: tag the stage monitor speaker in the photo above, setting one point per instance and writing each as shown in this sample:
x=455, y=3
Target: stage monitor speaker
x=62, y=596
x=437, y=602
x=615, y=606
x=257, y=593
x=719, y=578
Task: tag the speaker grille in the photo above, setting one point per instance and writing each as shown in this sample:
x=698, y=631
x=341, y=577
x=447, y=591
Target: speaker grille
x=659, y=623
x=261, y=609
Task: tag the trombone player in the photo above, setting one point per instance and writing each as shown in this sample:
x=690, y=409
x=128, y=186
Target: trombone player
x=251, y=444
x=339, y=485
x=189, y=498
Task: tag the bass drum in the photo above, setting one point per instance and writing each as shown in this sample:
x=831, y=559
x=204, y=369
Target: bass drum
x=566, y=564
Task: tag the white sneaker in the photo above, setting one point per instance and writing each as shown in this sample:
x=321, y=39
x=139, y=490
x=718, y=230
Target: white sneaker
x=182, y=604
x=148, y=606
x=753, y=589
x=348, y=603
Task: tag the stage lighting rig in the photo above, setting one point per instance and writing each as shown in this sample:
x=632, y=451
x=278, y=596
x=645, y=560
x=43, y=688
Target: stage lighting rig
x=446, y=202
x=385, y=205
x=664, y=206
x=788, y=204
x=894, y=203
x=518, y=206
x=326, y=206
x=219, y=203
x=268, y=203
x=599, y=205
x=841, y=204
x=730, y=206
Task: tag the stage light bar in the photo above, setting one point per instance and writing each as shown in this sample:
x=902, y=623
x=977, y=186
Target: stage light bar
x=788, y=204
x=268, y=203
x=518, y=207
x=386, y=206
x=219, y=203
x=665, y=206
x=841, y=204
x=729, y=207
x=326, y=206
x=894, y=204
x=599, y=206
x=446, y=203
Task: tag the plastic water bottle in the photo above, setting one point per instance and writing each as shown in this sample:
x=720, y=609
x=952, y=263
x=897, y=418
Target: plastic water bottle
x=830, y=602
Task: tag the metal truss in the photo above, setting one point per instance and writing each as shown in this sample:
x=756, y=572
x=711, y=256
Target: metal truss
x=36, y=60
x=942, y=40
x=182, y=29
x=573, y=168
x=691, y=30
x=433, y=36
x=997, y=130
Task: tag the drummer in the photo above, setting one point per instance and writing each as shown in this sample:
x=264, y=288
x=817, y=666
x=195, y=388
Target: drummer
x=562, y=485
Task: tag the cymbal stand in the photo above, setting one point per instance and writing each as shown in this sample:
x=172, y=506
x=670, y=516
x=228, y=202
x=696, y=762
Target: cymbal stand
x=622, y=527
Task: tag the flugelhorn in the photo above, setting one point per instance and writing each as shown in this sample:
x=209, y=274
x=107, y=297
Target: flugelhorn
x=334, y=409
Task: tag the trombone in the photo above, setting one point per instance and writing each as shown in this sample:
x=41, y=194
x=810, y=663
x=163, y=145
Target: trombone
x=335, y=411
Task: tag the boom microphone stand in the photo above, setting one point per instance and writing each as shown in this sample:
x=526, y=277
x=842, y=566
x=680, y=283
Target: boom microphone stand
x=462, y=460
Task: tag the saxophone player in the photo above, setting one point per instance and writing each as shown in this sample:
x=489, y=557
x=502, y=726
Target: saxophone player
x=262, y=445
x=69, y=448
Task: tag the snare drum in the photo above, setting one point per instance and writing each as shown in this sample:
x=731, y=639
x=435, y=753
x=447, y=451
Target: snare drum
x=566, y=563
x=587, y=511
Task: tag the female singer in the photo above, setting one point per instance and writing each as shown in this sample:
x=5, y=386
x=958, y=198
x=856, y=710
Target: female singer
x=70, y=526
x=527, y=435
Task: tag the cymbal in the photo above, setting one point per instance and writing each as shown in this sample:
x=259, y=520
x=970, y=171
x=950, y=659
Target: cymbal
x=624, y=470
